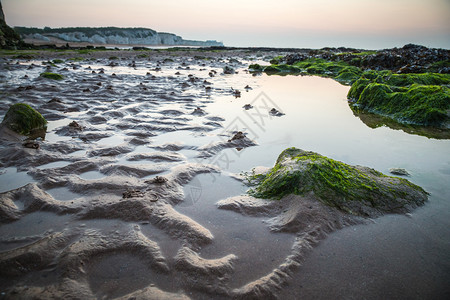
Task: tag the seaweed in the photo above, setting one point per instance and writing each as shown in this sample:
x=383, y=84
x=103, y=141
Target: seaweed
x=421, y=99
x=340, y=71
x=54, y=76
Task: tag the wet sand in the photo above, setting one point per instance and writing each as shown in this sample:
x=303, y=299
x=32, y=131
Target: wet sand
x=85, y=215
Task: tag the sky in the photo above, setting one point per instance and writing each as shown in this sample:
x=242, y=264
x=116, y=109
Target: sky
x=368, y=24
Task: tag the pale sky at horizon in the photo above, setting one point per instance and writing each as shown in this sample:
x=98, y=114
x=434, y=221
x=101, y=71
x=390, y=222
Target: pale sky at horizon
x=370, y=24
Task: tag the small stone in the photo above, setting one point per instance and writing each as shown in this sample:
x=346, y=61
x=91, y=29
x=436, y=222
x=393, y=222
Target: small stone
x=275, y=112
x=198, y=111
x=248, y=106
x=399, y=171
x=132, y=194
x=75, y=125
x=55, y=100
x=238, y=136
x=158, y=179
x=228, y=70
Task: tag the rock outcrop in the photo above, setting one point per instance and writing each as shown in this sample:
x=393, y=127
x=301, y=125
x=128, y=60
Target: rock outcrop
x=8, y=37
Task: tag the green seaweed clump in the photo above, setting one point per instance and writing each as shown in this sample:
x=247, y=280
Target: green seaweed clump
x=276, y=60
x=23, y=119
x=54, y=76
x=338, y=70
x=353, y=189
x=255, y=68
x=421, y=99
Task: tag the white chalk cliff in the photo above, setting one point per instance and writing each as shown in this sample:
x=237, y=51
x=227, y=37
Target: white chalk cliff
x=111, y=35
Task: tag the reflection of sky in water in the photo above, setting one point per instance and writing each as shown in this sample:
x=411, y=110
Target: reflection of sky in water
x=11, y=179
x=37, y=223
x=91, y=175
x=318, y=118
x=56, y=164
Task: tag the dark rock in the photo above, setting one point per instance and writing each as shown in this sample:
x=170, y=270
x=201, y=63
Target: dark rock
x=75, y=126
x=158, y=180
x=31, y=144
x=238, y=136
x=275, y=112
x=9, y=38
x=228, y=70
x=399, y=171
x=55, y=100
x=199, y=112
x=132, y=194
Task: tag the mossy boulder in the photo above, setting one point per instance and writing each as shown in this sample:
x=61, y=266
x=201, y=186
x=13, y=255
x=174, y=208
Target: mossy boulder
x=353, y=189
x=421, y=99
x=255, y=68
x=23, y=119
x=54, y=76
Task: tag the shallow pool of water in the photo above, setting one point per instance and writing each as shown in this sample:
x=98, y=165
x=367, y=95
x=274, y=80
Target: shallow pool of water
x=11, y=179
x=395, y=256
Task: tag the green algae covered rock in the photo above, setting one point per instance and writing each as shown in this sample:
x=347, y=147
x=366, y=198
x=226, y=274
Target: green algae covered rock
x=353, y=189
x=421, y=99
x=23, y=119
x=54, y=76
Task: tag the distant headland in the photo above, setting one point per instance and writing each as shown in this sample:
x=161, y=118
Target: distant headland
x=107, y=36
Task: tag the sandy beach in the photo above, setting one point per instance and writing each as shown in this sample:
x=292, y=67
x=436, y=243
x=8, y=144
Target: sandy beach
x=135, y=189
